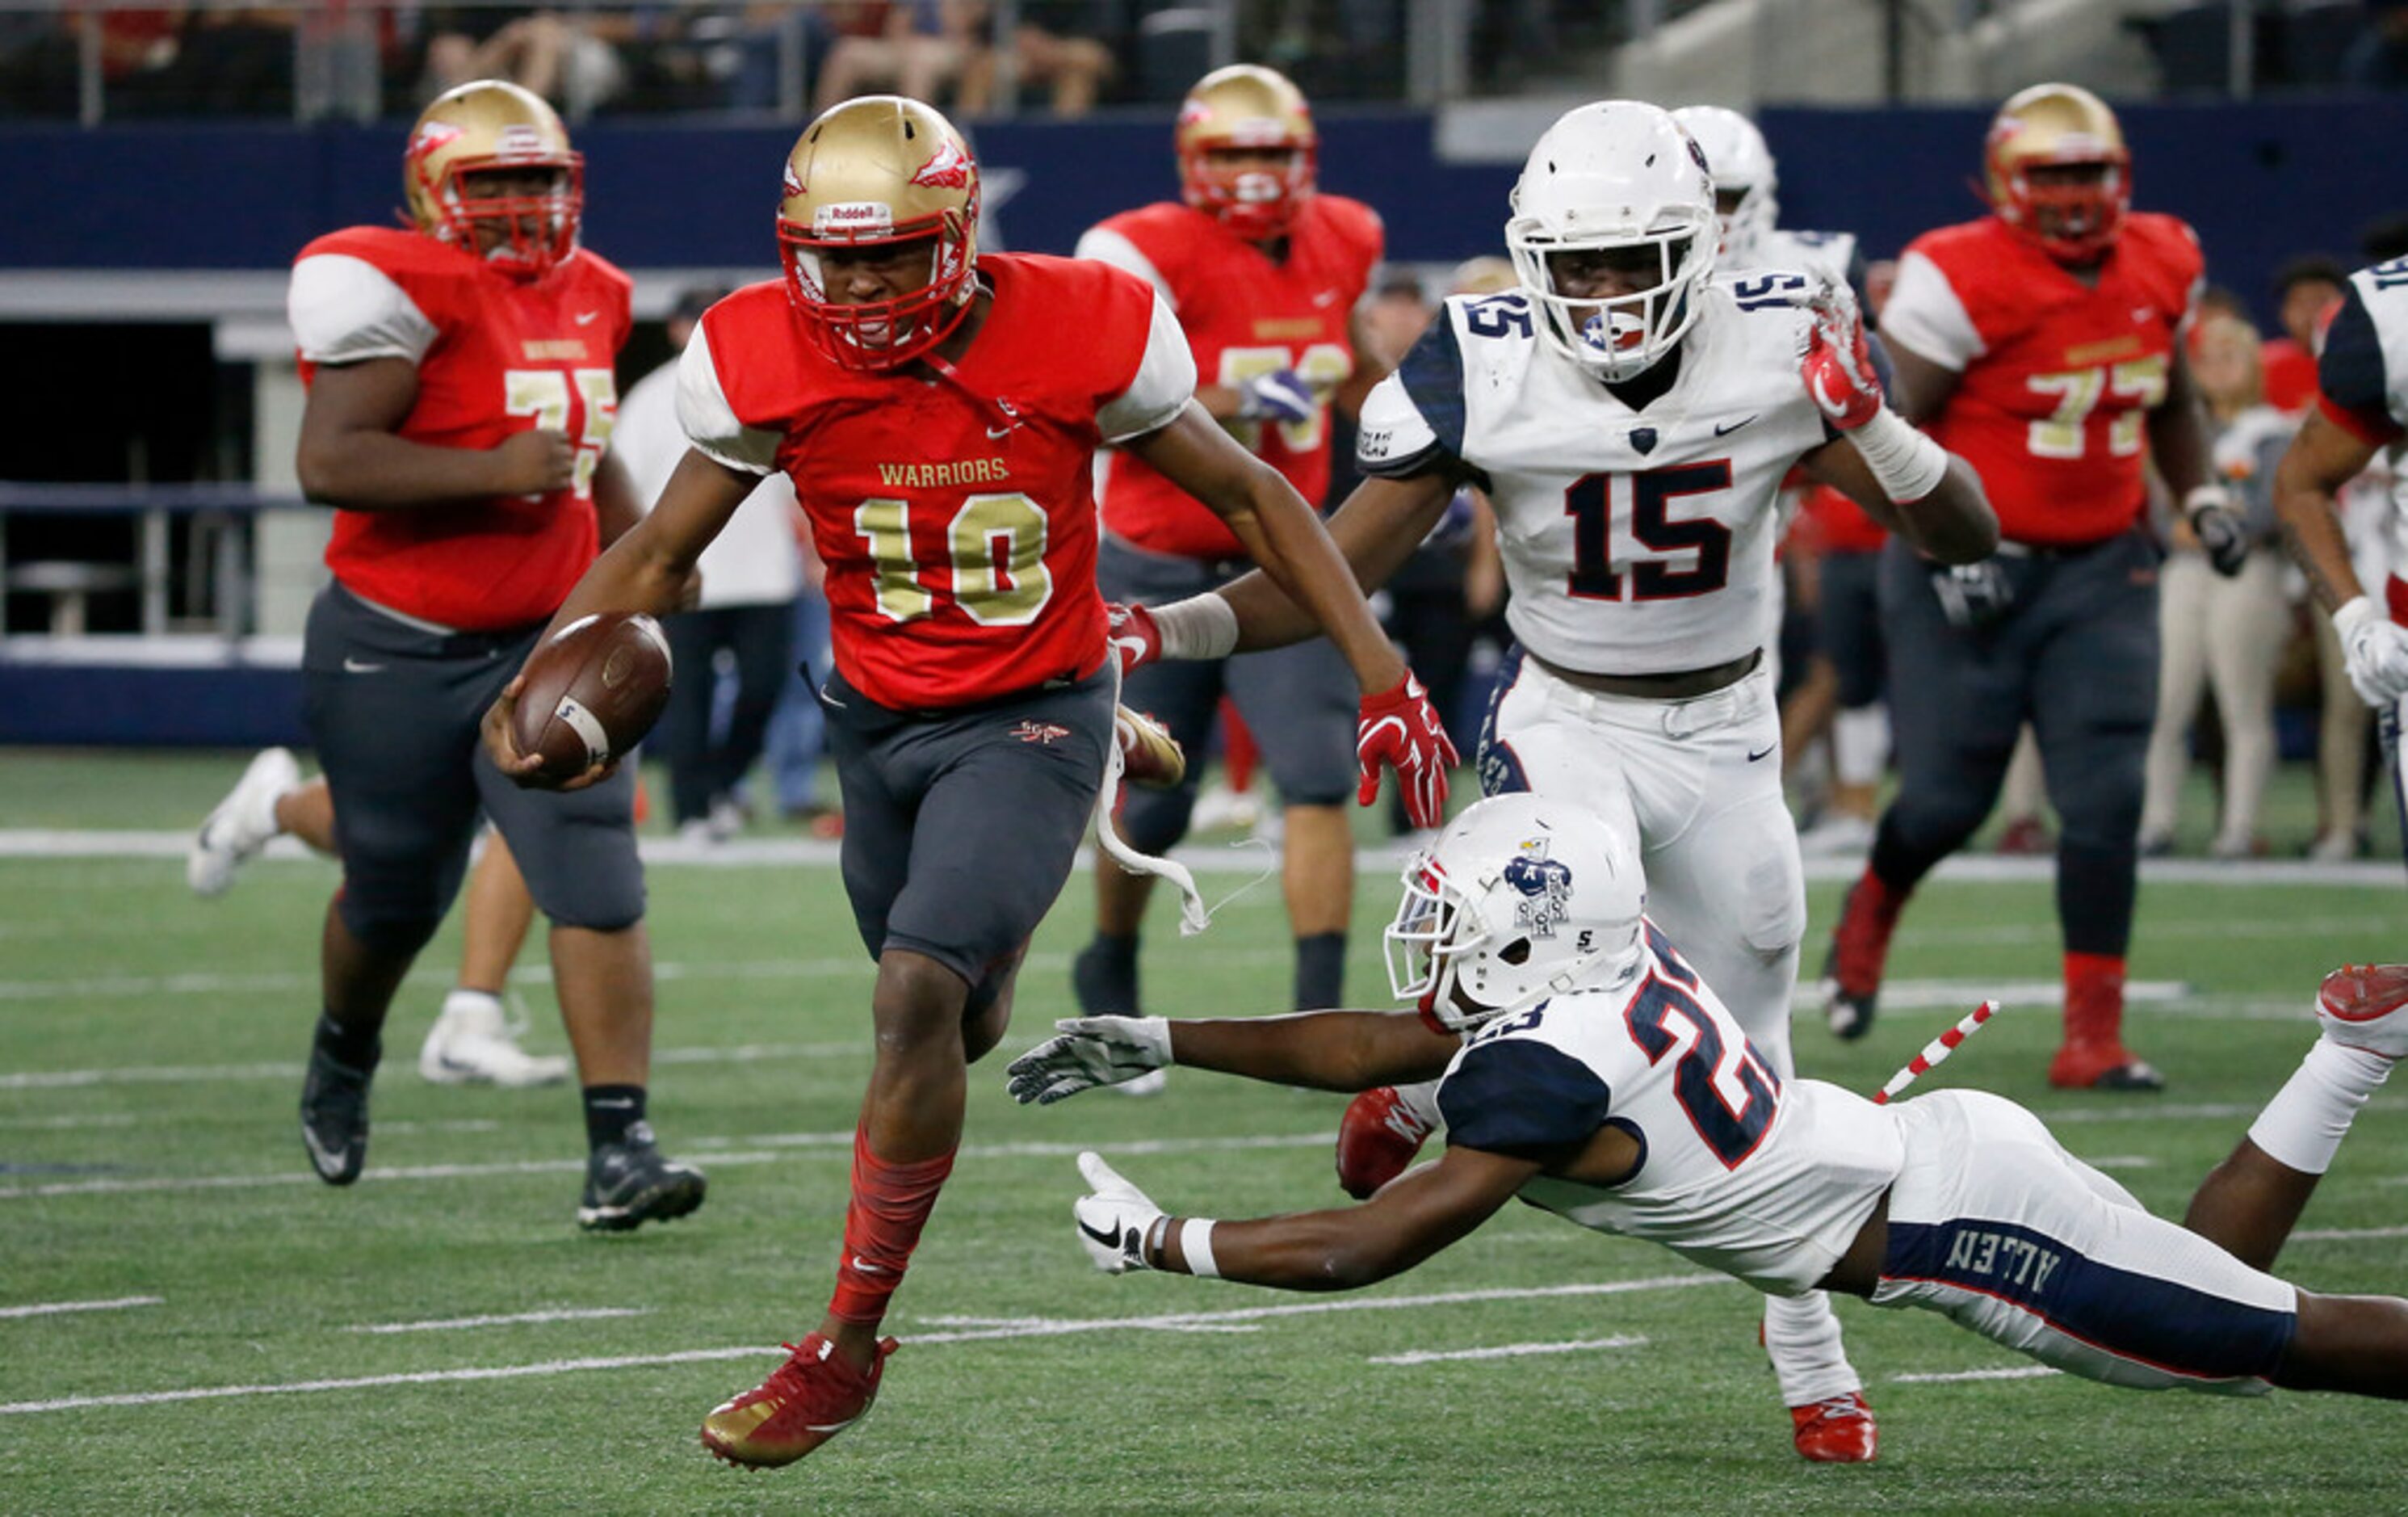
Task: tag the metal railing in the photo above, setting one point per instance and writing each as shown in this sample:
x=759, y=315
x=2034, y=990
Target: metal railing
x=215, y=570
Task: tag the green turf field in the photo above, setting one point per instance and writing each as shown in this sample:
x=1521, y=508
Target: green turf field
x=150, y=1060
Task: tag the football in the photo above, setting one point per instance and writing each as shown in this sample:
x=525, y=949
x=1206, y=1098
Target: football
x=592, y=690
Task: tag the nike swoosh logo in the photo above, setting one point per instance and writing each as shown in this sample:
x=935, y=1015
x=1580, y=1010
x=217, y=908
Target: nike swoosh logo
x=585, y=318
x=997, y=434
x=1324, y=297
x=620, y=1104
x=355, y=666
x=1726, y=430
x=1761, y=752
x=868, y=1269
x=329, y=1165
x=1109, y=1238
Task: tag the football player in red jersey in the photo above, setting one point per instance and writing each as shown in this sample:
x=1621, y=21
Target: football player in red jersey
x=1265, y=274
x=941, y=437
x=461, y=398
x=2040, y=344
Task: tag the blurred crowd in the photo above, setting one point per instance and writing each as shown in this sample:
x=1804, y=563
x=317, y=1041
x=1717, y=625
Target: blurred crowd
x=971, y=56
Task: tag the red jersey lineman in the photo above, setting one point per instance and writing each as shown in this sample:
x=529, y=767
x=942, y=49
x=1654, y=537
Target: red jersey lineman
x=460, y=408
x=941, y=437
x=2041, y=343
x=1265, y=273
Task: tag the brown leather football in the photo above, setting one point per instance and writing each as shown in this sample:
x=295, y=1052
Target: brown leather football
x=594, y=689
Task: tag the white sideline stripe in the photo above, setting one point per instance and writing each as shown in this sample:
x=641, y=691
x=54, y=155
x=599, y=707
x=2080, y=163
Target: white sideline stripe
x=1238, y=858
x=701, y=1149
x=2019, y=1372
x=560, y=1315
x=2345, y=1234
x=1505, y=1351
x=48, y=1308
x=95, y=1119
x=1029, y=1327
x=178, y=1074
x=1039, y=1321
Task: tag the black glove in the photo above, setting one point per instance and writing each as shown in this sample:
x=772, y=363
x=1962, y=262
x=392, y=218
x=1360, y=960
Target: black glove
x=2219, y=527
x=1973, y=596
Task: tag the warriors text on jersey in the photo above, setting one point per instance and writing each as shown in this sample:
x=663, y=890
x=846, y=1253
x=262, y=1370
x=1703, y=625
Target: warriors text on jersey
x=2057, y=378
x=494, y=357
x=2362, y=380
x=1245, y=314
x=1738, y=1172
x=1636, y=542
x=957, y=517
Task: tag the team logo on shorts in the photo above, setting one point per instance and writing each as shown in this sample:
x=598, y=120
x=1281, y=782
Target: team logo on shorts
x=1545, y=885
x=1034, y=732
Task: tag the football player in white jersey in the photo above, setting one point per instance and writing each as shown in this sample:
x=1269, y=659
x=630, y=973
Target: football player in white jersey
x=1588, y=1070
x=2361, y=410
x=1748, y=209
x=1632, y=416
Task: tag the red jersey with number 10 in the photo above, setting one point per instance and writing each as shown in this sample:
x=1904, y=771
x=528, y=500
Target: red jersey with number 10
x=2052, y=405
x=956, y=515
x=494, y=357
x=1246, y=314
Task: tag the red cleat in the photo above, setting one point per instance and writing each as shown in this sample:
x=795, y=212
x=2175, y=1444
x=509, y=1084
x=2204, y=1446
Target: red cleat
x=806, y=1401
x=1377, y=1138
x=2102, y=1066
x=2359, y=1006
x=1151, y=757
x=1838, y=1430
x=1851, y=970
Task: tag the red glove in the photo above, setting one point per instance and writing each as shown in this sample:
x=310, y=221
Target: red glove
x=1135, y=640
x=1400, y=729
x=1839, y=365
x=1377, y=1138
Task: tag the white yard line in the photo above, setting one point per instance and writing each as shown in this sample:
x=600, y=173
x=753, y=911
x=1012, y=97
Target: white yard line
x=2345, y=1234
x=1012, y=1328
x=512, y=1319
x=2020, y=1372
x=1505, y=1351
x=50, y=1308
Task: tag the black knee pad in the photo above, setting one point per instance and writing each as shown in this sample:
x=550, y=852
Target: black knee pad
x=1155, y=820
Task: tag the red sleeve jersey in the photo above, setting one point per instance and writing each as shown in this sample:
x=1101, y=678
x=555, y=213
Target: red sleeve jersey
x=2052, y=412
x=1247, y=314
x=956, y=516
x=505, y=356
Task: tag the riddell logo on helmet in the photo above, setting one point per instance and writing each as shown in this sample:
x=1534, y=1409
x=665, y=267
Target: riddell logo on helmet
x=949, y=170
x=520, y=141
x=434, y=135
x=852, y=216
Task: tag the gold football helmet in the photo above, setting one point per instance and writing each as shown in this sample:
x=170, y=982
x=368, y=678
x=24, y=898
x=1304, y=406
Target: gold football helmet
x=2072, y=217
x=877, y=170
x=490, y=126
x=1246, y=108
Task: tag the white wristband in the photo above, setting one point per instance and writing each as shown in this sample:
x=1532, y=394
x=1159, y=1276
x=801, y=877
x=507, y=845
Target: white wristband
x=2348, y=617
x=1200, y=627
x=1907, y=465
x=1196, y=1245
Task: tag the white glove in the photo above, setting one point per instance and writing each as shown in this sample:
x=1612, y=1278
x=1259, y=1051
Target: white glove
x=1280, y=395
x=1089, y=1051
x=1113, y=1222
x=2375, y=649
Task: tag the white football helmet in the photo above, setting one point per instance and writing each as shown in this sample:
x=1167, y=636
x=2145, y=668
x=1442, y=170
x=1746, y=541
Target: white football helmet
x=1743, y=168
x=1521, y=898
x=1615, y=174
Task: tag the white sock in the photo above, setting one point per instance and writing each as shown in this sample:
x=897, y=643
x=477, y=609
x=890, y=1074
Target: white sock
x=2303, y=1126
x=465, y=1000
x=1802, y=1336
x=1860, y=745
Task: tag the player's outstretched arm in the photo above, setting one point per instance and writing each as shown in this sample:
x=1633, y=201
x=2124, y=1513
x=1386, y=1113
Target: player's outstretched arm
x=1280, y=532
x=351, y=453
x=1412, y=1217
x=1901, y=477
x=1326, y=1050
x=2324, y=457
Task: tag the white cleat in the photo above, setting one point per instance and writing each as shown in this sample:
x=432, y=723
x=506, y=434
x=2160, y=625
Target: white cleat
x=242, y=822
x=474, y=1043
x=2366, y=1006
